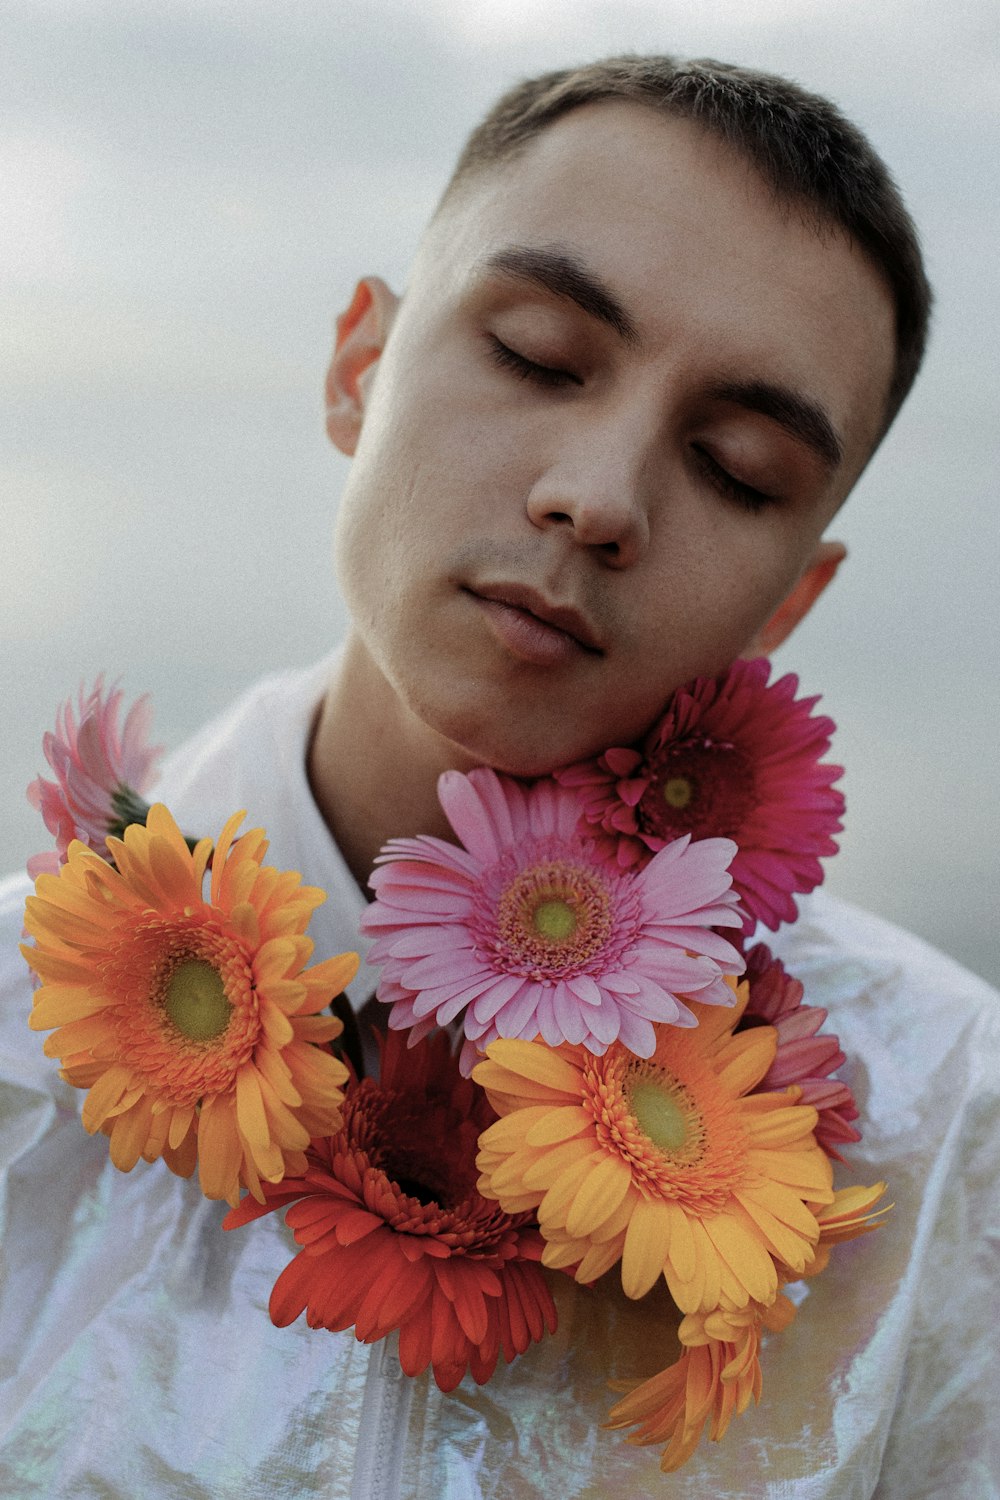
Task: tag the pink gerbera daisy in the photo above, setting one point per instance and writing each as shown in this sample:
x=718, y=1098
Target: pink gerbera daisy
x=527, y=929
x=731, y=757
x=804, y=1057
x=100, y=769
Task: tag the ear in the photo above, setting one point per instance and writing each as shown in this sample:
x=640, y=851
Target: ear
x=825, y=561
x=361, y=334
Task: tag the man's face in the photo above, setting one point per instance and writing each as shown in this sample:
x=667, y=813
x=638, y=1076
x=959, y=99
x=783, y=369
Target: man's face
x=623, y=395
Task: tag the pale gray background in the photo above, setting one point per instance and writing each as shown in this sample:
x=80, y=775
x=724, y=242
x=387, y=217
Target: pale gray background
x=190, y=190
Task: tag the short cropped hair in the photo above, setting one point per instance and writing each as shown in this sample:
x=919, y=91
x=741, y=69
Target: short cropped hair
x=799, y=142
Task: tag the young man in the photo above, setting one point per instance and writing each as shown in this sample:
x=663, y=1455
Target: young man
x=658, y=324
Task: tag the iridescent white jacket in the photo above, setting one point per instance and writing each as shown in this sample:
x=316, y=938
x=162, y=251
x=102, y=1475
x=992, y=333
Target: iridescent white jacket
x=138, y=1362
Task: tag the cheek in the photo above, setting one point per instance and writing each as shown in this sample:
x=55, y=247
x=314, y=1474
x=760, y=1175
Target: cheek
x=375, y=504
x=369, y=549
x=710, y=599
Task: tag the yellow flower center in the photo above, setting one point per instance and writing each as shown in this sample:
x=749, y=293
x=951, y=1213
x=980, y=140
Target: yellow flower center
x=195, y=1000
x=555, y=920
x=677, y=791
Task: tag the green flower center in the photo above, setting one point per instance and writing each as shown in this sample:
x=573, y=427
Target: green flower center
x=554, y=919
x=677, y=791
x=195, y=1001
x=665, y=1111
x=658, y=1116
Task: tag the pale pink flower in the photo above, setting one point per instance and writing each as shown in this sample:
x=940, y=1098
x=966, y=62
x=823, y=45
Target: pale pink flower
x=805, y=1056
x=528, y=930
x=100, y=772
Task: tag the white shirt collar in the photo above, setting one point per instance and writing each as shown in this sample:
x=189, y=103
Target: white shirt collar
x=253, y=756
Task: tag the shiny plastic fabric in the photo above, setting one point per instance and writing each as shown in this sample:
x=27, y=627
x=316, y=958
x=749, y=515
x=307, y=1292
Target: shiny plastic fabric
x=137, y=1358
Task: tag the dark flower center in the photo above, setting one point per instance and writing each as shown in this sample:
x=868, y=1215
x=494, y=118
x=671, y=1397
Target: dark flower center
x=699, y=786
x=418, y=1190
x=429, y=1150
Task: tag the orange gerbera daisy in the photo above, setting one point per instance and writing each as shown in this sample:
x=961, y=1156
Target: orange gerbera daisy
x=193, y=1023
x=714, y=1380
x=718, y=1372
x=665, y=1163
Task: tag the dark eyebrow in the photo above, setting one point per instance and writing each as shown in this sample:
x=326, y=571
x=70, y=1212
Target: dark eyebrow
x=561, y=273
x=803, y=418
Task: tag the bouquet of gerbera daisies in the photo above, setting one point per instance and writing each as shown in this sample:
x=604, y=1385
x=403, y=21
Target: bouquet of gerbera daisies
x=584, y=1072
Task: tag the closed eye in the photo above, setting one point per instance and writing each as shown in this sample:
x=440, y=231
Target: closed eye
x=728, y=485
x=527, y=369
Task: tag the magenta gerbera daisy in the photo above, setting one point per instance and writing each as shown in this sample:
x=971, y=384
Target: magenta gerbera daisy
x=805, y=1056
x=528, y=930
x=733, y=757
x=100, y=771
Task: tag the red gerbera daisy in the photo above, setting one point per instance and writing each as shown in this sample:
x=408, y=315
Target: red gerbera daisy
x=732, y=757
x=804, y=1057
x=395, y=1234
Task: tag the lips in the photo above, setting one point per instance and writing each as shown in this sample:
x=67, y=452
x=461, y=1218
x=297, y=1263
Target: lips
x=555, y=617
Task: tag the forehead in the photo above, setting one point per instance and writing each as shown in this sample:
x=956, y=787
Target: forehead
x=709, y=263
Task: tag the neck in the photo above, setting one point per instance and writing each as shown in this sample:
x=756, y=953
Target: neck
x=373, y=765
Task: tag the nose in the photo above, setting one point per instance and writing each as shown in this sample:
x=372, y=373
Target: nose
x=595, y=493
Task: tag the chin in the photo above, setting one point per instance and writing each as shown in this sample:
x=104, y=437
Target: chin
x=517, y=741
x=480, y=743
x=520, y=723
x=515, y=761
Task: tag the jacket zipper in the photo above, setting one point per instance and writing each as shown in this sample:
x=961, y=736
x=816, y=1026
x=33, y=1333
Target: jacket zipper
x=383, y=1425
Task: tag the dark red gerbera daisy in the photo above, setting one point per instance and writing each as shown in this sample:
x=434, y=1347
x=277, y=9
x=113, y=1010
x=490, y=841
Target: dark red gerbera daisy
x=805, y=1056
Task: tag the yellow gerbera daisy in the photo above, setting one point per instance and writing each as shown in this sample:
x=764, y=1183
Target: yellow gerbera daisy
x=851, y=1213
x=664, y=1163
x=192, y=1022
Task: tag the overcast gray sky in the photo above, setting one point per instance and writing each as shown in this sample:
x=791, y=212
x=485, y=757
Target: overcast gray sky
x=190, y=191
